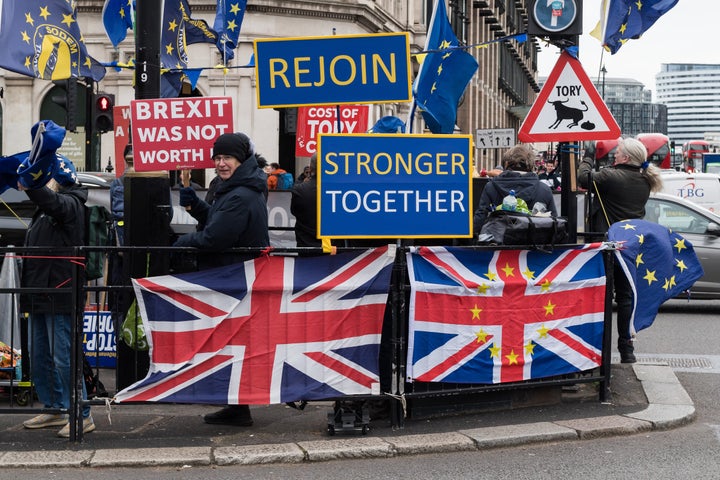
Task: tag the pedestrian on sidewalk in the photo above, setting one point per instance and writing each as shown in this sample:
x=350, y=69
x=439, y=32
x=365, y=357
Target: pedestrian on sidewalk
x=58, y=222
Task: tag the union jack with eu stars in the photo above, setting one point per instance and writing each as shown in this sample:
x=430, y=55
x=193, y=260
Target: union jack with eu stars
x=270, y=330
x=487, y=317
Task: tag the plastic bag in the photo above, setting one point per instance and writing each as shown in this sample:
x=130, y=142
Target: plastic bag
x=132, y=331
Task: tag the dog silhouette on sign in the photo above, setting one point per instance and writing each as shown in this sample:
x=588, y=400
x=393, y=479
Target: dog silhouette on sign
x=563, y=112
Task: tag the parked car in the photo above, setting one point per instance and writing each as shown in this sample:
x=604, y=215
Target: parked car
x=698, y=225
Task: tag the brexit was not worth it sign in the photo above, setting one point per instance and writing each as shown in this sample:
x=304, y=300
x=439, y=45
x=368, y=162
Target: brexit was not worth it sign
x=333, y=70
x=178, y=133
x=394, y=186
x=568, y=108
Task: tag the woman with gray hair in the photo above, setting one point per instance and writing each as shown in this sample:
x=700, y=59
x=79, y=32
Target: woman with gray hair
x=621, y=192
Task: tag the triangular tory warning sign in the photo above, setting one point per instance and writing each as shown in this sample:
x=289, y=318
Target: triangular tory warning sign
x=568, y=108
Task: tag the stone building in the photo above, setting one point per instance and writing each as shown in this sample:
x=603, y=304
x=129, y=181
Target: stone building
x=499, y=95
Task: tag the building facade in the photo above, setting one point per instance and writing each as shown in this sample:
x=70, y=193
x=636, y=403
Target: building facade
x=631, y=105
x=498, y=96
x=691, y=93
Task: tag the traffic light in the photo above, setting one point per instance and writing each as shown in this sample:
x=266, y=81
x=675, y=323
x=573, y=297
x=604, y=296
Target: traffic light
x=102, y=112
x=560, y=21
x=67, y=99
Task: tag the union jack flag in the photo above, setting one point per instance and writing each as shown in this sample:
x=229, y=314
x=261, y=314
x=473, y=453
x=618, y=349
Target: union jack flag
x=270, y=330
x=486, y=317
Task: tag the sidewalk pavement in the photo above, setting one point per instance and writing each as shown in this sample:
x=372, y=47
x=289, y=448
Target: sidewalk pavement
x=643, y=397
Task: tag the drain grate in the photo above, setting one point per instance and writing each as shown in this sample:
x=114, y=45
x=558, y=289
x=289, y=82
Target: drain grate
x=678, y=362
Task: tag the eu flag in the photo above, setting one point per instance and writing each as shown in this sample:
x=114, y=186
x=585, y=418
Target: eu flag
x=118, y=17
x=228, y=20
x=628, y=19
x=659, y=263
x=444, y=74
x=43, y=40
x=179, y=30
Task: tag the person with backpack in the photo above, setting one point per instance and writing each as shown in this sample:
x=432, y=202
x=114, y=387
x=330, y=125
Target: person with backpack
x=279, y=179
x=58, y=223
x=517, y=175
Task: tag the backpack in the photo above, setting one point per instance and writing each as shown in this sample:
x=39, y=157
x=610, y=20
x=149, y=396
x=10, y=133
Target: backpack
x=98, y=221
x=504, y=227
x=285, y=181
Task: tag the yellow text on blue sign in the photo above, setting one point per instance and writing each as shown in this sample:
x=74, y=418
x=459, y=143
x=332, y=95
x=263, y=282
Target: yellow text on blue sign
x=334, y=70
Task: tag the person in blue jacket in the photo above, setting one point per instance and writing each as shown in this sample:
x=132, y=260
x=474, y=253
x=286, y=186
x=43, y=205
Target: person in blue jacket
x=237, y=218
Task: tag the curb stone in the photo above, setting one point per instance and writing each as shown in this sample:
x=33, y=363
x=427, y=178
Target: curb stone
x=669, y=406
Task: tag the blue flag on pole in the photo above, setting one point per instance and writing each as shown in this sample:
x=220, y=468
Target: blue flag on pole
x=179, y=30
x=228, y=20
x=659, y=264
x=444, y=74
x=118, y=17
x=43, y=40
x=628, y=19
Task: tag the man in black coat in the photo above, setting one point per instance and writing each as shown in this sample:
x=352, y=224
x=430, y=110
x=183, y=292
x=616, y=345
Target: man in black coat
x=237, y=218
x=303, y=206
x=59, y=224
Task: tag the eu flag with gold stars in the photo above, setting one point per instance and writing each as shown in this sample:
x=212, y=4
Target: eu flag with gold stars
x=43, y=40
x=179, y=30
x=444, y=74
x=228, y=20
x=659, y=263
x=628, y=19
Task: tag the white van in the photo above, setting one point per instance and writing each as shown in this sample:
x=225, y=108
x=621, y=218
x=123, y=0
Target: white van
x=700, y=188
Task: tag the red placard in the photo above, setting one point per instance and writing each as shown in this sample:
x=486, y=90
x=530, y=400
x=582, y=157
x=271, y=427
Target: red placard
x=121, y=133
x=178, y=133
x=314, y=120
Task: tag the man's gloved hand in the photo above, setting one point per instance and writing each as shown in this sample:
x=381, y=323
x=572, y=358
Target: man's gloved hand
x=188, y=198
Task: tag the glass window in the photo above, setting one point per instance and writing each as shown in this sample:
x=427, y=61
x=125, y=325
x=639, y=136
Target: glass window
x=676, y=217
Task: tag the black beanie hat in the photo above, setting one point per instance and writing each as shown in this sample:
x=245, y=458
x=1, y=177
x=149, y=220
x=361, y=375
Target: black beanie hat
x=237, y=145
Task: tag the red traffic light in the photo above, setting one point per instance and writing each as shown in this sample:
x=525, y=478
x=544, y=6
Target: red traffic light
x=102, y=115
x=104, y=103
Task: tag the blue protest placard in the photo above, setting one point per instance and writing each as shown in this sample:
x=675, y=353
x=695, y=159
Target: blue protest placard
x=334, y=70
x=99, y=338
x=395, y=186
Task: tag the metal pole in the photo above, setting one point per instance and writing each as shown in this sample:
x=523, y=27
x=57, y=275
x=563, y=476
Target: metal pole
x=147, y=48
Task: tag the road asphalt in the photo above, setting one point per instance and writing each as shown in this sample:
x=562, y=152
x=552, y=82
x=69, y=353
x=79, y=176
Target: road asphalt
x=643, y=397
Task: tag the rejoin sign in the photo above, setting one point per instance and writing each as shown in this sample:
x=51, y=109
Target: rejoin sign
x=312, y=121
x=178, y=133
x=335, y=70
x=395, y=186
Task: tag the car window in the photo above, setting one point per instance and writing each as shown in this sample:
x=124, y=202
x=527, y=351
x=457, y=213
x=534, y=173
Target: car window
x=676, y=217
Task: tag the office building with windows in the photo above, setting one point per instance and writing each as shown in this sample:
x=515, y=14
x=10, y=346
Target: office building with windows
x=691, y=93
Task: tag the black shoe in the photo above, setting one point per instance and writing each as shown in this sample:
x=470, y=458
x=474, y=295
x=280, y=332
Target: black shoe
x=238, y=415
x=627, y=357
x=627, y=350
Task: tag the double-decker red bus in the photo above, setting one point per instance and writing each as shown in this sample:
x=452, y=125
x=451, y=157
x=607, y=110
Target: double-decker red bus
x=658, y=147
x=693, y=152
